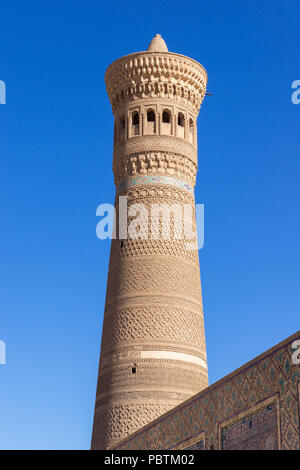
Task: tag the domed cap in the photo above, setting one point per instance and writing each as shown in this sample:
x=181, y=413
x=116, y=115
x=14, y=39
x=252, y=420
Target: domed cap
x=157, y=44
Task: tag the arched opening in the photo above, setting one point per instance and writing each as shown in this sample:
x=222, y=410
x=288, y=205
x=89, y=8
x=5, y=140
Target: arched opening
x=180, y=120
x=150, y=125
x=166, y=117
x=180, y=125
x=135, y=123
x=135, y=118
x=166, y=122
x=151, y=116
x=191, y=131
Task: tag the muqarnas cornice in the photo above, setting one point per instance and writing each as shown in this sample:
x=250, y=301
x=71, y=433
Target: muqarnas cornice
x=151, y=74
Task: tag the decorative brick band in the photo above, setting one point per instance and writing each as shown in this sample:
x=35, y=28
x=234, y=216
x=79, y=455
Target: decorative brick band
x=139, y=180
x=153, y=144
x=173, y=355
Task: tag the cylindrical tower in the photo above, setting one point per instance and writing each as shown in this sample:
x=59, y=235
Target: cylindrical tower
x=153, y=353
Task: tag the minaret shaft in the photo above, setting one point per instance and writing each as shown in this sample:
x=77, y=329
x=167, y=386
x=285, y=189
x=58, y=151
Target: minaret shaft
x=153, y=353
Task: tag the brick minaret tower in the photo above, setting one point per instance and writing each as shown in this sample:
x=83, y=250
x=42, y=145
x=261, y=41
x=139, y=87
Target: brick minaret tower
x=153, y=353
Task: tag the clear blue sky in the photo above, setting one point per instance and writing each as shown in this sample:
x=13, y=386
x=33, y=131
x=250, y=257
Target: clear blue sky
x=56, y=158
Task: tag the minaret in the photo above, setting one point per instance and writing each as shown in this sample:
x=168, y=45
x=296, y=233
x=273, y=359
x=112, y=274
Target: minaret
x=153, y=353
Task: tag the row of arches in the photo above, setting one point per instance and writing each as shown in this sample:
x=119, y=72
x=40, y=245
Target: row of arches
x=176, y=125
x=166, y=118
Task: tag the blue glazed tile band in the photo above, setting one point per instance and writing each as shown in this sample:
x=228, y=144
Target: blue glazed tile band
x=140, y=180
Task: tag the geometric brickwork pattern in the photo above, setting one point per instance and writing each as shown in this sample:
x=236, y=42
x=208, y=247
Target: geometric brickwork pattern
x=255, y=407
x=155, y=324
x=154, y=274
x=127, y=416
x=169, y=194
x=179, y=155
x=158, y=163
x=130, y=248
x=153, y=352
x=179, y=235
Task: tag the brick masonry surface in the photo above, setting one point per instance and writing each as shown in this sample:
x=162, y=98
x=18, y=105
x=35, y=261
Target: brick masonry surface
x=254, y=407
x=153, y=351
